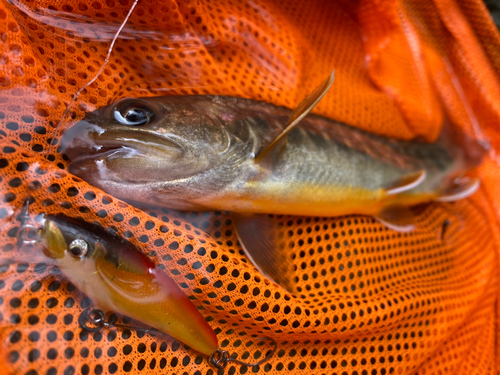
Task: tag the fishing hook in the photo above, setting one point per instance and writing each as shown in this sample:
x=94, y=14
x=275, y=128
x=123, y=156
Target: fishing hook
x=221, y=358
x=24, y=228
x=97, y=320
x=93, y=320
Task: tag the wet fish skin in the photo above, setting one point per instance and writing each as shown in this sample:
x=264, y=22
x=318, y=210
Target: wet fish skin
x=117, y=277
x=198, y=153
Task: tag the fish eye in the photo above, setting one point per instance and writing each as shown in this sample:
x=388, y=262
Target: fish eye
x=133, y=114
x=78, y=248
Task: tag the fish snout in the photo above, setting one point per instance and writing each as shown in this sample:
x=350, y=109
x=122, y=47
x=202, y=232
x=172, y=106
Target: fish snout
x=79, y=139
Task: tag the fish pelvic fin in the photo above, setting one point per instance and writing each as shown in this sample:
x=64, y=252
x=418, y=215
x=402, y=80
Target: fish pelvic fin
x=406, y=183
x=459, y=188
x=259, y=237
x=397, y=218
x=299, y=113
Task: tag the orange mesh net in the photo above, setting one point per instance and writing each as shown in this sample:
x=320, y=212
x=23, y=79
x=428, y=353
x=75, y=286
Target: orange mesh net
x=368, y=300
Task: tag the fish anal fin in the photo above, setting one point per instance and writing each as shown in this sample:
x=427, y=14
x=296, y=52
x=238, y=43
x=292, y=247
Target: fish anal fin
x=397, y=218
x=259, y=236
x=300, y=112
x=460, y=188
x=406, y=183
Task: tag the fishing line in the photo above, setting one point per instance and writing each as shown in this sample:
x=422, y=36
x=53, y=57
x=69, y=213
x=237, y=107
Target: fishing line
x=24, y=227
x=21, y=240
x=75, y=96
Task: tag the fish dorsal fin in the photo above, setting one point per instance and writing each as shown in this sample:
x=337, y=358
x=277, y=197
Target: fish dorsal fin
x=259, y=237
x=460, y=188
x=397, y=218
x=300, y=112
x=406, y=183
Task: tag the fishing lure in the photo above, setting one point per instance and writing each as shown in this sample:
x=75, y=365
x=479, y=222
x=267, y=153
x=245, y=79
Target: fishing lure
x=117, y=277
x=253, y=158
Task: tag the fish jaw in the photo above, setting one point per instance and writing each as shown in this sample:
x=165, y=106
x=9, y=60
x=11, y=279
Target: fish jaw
x=91, y=146
x=79, y=141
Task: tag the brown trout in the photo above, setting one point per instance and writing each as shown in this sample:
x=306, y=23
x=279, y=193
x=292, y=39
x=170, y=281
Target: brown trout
x=250, y=157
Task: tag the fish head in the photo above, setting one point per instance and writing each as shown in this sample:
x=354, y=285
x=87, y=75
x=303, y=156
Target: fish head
x=170, y=146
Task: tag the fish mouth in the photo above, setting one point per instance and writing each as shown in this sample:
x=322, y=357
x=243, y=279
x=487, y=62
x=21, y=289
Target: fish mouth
x=81, y=154
x=104, y=155
x=86, y=149
x=94, y=142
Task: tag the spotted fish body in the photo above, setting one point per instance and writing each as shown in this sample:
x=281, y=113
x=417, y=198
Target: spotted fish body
x=117, y=277
x=202, y=153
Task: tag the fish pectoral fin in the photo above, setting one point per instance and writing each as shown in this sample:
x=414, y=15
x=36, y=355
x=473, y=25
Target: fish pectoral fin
x=406, y=183
x=460, y=188
x=259, y=238
x=398, y=218
x=300, y=112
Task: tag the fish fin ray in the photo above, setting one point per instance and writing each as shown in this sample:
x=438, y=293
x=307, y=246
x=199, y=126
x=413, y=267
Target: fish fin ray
x=258, y=235
x=397, y=218
x=300, y=112
x=406, y=183
x=460, y=188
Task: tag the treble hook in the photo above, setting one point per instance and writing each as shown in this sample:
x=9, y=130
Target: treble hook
x=219, y=359
x=97, y=319
x=24, y=217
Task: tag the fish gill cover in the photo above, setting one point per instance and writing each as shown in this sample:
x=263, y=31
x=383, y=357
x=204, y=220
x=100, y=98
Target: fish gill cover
x=366, y=299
